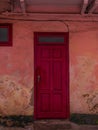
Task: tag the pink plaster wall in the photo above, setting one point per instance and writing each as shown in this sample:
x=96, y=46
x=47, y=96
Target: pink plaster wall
x=16, y=73
x=17, y=67
x=84, y=68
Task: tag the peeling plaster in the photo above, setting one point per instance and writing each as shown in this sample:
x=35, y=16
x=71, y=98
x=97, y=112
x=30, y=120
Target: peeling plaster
x=14, y=97
x=83, y=80
x=92, y=102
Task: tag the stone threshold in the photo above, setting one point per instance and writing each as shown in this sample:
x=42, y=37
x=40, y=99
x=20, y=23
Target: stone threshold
x=56, y=124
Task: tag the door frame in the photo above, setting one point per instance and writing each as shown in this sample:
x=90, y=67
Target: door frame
x=36, y=34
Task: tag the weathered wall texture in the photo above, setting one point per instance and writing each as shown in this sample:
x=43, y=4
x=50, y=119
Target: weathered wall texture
x=84, y=68
x=17, y=67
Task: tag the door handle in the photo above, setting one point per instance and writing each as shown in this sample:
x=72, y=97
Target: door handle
x=38, y=78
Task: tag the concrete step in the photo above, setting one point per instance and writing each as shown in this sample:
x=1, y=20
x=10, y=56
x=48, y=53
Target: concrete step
x=52, y=125
x=88, y=127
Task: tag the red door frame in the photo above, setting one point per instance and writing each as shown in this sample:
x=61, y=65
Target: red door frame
x=36, y=34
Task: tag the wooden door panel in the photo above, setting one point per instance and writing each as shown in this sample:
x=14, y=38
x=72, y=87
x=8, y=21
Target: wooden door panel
x=45, y=75
x=57, y=53
x=44, y=102
x=45, y=53
x=57, y=102
x=57, y=75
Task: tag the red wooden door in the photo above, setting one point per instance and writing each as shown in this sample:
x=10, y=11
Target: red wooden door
x=51, y=76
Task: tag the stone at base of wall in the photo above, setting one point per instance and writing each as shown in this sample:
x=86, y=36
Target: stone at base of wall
x=88, y=119
x=24, y=121
x=16, y=121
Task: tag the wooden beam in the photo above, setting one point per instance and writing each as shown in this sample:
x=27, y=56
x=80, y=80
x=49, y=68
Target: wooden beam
x=84, y=6
x=49, y=17
x=22, y=3
x=12, y=5
x=93, y=5
x=16, y=6
x=53, y=8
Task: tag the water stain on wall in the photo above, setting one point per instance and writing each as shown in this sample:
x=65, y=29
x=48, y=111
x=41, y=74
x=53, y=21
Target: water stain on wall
x=14, y=97
x=83, y=85
x=92, y=101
